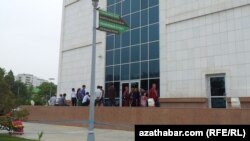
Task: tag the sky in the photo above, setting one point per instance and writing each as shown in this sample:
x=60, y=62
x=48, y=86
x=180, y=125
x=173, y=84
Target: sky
x=30, y=37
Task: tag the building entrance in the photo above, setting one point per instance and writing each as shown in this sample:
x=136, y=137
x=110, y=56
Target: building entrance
x=130, y=85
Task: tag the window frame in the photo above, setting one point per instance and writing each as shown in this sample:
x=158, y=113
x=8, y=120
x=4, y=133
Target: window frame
x=209, y=94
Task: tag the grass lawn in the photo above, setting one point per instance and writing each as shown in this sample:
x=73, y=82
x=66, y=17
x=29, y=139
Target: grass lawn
x=12, y=138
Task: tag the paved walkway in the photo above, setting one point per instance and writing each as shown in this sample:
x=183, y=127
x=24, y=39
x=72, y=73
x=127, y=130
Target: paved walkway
x=70, y=133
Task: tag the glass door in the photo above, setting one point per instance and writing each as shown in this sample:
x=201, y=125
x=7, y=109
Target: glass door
x=131, y=85
x=217, y=91
x=122, y=89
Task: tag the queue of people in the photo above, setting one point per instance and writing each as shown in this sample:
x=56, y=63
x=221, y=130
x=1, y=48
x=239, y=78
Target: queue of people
x=82, y=98
x=135, y=97
x=140, y=98
x=60, y=101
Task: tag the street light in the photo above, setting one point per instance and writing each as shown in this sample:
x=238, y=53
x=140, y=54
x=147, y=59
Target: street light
x=91, y=134
x=51, y=79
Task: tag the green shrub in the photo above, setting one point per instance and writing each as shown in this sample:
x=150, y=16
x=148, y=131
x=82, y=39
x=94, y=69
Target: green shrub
x=5, y=123
x=20, y=114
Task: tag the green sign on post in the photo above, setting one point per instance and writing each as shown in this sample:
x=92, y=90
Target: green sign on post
x=110, y=22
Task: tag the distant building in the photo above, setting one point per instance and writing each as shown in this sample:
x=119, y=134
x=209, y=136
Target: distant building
x=30, y=80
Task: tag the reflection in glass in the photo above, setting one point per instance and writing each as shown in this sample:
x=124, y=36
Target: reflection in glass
x=125, y=55
x=154, y=69
x=109, y=58
x=135, y=53
x=154, y=50
x=144, y=69
x=125, y=72
x=109, y=74
x=134, y=71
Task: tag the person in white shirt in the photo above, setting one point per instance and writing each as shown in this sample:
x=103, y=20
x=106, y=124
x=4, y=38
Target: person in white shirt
x=86, y=99
x=52, y=101
x=73, y=97
x=98, y=96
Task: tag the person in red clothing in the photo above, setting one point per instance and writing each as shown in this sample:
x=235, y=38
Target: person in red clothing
x=126, y=97
x=153, y=93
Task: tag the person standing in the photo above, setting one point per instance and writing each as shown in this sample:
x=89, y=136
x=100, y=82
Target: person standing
x=144, y=99
x=83, y=91
x=125, y=97
x=73, y=97
x=153, y=93
x=98, y=96
x=79, y=97
x=111, y=94
x=135, y=98
x=102, y=98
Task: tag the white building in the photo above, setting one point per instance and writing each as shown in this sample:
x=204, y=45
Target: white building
x=30, y=80
x=196, y=51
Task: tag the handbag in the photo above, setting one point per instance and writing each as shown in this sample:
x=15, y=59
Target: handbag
x=151, y=102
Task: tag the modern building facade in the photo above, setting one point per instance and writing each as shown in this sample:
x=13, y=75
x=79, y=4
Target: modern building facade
x=30, y=80
x=196, y=51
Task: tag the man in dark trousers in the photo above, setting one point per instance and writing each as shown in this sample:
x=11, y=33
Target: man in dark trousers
x=111, y=94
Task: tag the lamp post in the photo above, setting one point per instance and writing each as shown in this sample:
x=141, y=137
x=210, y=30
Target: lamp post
x=91, y=134
x=51, y=79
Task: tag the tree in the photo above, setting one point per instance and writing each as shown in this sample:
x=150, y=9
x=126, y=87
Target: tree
x=22, y=92
x=7, y=100
x=2, y=72
x=10, y=79
x=45, y=89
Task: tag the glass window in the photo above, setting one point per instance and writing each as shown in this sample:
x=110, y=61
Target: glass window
x=117, y=56
x=125, y=72
x=134, y=71
x=154, y=68
x=117, y=89
x=127, y=20
x=117, y=73
x=126, y=39
x=154, y=15
x=135, y=20
x=144, y=52
x=109, y=58
x=109, y=74
x=144, y=69
x=144, y=85
x=144, y=17
x=218, y=92
x=117, y=41
x=153, y=2
x=110, y=42
x=125, y=7
x=154, y=32
x=135, y=5
x=111, y=9
x=144, y=4
x=135, y=53
x=118, y=8
x=106, y=93
x=110, y=2
x=154, y=50
x=217, y=85
x=218, y=102
x=125, y=55
x=144, y=34
x=135, y=36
